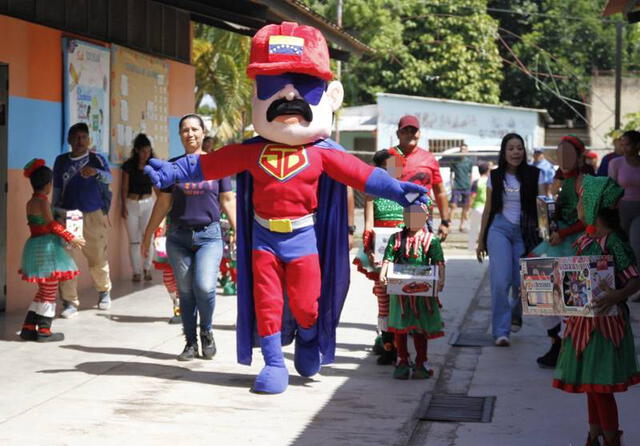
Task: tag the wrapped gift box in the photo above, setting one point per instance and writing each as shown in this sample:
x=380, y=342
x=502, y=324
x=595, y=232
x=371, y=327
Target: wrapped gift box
x=380, y=240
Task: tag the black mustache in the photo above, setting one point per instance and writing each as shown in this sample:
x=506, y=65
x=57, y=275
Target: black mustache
x=284, y=107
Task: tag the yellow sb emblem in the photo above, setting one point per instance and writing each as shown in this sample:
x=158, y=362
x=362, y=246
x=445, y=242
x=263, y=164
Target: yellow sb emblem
x=283, y=162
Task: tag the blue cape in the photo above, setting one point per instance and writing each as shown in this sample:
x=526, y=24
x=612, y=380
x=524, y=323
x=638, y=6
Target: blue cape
x=333, y=241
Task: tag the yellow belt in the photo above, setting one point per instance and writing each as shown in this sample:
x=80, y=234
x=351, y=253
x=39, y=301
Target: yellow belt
x=285, y=225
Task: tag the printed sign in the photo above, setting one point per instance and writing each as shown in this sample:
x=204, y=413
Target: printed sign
x=74, y=223
x=86, y=90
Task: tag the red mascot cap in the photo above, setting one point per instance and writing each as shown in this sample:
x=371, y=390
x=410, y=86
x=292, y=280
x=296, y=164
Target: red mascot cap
x=289, y=48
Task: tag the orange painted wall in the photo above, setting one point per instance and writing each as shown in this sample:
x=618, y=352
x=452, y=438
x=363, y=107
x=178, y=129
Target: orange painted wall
x=182, y=81
x=34, y=55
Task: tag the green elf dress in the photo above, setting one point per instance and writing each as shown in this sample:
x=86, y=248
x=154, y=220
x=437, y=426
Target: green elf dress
x=598, y=353
x=408, y=314
x=570, y=227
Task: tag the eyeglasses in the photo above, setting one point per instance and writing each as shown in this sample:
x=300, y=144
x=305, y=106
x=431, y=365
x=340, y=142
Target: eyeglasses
x=310, y=87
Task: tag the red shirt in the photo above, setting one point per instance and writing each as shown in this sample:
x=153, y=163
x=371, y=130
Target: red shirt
x=285, y=178
x=420, y=167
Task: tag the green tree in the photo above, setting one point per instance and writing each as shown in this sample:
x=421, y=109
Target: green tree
x=220, y=58
x=439, y=48
x=552, y=49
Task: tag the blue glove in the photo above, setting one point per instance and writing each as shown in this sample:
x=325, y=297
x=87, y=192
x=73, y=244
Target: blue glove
x=164, y=174
x=380, y=184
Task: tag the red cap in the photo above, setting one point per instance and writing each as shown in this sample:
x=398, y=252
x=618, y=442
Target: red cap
x=289, y=48
x=591, y=154
x=408, y=121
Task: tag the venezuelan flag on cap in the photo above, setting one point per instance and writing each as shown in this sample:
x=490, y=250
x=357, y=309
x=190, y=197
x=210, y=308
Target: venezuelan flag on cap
x=285, y=48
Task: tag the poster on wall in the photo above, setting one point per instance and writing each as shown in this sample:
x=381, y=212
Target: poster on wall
x=86, y=90
x=139, y=102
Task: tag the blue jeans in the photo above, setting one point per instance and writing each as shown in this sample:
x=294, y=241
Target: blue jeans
x=195, y=257
x=505, y=247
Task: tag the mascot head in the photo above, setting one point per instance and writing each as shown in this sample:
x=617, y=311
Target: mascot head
x=294, y=95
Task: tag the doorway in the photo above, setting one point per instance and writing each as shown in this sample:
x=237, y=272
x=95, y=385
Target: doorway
x=4, y=124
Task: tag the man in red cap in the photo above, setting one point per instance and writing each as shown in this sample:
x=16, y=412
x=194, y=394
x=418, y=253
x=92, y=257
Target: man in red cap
x=421, y=167
x=291, y=211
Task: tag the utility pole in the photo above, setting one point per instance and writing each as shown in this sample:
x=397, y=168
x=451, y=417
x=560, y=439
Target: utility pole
x=618, y=73
x=338, y=70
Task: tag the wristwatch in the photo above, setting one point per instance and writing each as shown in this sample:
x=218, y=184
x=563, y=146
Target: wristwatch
x=352, y=229
x=445, y=222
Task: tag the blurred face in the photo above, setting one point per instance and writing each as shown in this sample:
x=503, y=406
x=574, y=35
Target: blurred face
x=514, y=152
x=191, y=135
x=394, y=167
x=408, y=138
x=297, y=112
x=414, y=217
x=537, y=156
x=207, y=145
x=79, y=142
x=144, y=153
x=567, y=157
x=628, y=148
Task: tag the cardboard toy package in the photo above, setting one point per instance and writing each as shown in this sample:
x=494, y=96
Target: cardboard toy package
x=380, y=240
x=565, y=286
x=547, y=223
x=412, y=280
x=74, y=223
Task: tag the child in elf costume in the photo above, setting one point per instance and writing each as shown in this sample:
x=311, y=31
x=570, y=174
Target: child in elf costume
x=597, y=356
x=161, y=263
x=45, y=261
x=418, y=315
x=380, y=213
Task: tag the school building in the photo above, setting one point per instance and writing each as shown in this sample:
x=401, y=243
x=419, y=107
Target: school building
x=122, y=66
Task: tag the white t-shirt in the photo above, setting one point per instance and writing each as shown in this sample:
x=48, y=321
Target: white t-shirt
x=511, y=197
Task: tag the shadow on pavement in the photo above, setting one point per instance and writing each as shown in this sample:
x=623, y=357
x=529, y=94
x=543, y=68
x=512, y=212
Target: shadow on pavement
x=132, y=319
x=172, y=372
x=120, y=351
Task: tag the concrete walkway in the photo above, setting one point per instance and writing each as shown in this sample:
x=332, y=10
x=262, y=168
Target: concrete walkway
x=115, y=379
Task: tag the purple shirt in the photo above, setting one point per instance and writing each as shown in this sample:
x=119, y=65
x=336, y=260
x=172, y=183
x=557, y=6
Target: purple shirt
x=627, y=176
x=197, y=204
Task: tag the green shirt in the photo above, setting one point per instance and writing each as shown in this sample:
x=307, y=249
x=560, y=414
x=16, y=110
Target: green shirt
x=480, y=189
x=462, y=171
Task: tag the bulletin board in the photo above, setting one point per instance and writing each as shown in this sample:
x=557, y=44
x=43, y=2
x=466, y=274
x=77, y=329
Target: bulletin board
x=86, y=91
x=139, y=102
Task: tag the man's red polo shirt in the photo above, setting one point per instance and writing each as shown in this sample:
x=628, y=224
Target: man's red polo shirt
x=419, y=167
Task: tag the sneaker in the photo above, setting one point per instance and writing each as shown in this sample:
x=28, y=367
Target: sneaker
x=104, y=300
x=402, y=371
x=208, y=344
x=189, y=353
x=147, y=275
x=516, y=324
x=69, y=311
x=52, y=337
x=502, y=341
x=136, y=278
x=421, y=373
x=28, y=335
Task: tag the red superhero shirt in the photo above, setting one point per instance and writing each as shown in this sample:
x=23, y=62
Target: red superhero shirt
x=285, y=178
x=419, y=167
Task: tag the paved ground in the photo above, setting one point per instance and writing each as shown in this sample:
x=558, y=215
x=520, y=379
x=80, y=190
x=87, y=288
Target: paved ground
x=115, y=380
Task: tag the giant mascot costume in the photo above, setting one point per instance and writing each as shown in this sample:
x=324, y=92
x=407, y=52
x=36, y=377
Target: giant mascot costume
x=292, y=218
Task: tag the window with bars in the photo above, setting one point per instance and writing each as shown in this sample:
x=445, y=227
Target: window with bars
x=440, y=145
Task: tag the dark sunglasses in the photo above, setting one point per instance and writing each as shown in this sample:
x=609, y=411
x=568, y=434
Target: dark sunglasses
x=310, y=87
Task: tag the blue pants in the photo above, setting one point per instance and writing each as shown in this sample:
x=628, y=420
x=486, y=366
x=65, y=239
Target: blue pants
x=505, y=247
x=195, y=257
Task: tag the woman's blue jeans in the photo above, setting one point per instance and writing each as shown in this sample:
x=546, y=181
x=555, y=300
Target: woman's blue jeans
x=194, y=255
x=505, y=247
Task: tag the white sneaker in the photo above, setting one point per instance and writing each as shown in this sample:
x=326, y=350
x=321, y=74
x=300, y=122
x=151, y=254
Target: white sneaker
x=104, y=300
x=69, y=311
x=502, y=341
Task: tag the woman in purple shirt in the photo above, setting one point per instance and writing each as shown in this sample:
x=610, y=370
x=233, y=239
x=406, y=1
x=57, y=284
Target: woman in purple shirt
x=625, y=170
x=194, y=241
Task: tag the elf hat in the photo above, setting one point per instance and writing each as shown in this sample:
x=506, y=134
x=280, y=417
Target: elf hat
x=598, y=193
x=289, y=48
